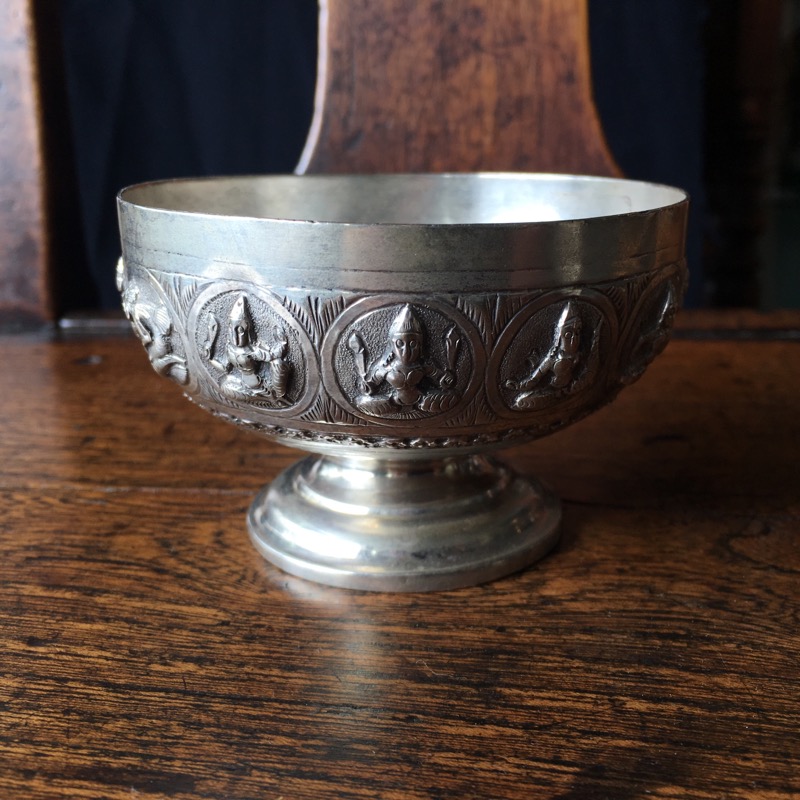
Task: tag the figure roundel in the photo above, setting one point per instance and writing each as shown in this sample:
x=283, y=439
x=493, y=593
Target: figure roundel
x=552, y=355
x=402, y=361
x=253, y=350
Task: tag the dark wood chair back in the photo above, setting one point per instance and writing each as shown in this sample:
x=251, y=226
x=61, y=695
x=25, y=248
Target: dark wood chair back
x=403, y=85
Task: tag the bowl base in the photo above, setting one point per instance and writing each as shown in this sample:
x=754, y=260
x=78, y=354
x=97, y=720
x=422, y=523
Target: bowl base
x=403, y=525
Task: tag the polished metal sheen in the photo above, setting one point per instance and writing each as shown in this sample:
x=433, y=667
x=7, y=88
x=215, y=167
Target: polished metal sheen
x=402, y=327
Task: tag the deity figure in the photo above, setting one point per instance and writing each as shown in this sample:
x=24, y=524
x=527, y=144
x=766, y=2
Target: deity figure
x=404, y=379
x=653, y=339
x=154, y=328
x=557, y=373
x=253, y=369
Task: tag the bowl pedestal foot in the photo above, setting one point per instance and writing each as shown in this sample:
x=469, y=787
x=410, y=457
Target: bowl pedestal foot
x=403, y=525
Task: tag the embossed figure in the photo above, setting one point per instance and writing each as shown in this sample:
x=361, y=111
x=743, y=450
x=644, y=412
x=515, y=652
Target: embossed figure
x=404, y=378
x=154, y=328
x=654, y=338
x=253, y=370
x=559, y=372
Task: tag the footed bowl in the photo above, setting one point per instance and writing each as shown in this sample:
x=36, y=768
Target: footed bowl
x=401, y=328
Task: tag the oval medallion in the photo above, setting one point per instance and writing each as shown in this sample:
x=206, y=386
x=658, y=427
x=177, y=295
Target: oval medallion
x=392, y=362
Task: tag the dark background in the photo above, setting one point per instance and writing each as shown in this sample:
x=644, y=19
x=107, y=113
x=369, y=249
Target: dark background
x=194, y=87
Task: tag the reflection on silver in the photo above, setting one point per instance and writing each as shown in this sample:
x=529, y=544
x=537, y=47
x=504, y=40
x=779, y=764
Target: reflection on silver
x=441, y=524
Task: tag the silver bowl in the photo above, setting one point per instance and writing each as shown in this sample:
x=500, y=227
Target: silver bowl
x=401, y=328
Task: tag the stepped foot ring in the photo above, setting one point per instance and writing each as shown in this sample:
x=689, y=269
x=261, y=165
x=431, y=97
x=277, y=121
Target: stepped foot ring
x=403, y=526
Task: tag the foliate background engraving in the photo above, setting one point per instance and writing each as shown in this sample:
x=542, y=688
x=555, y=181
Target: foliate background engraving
x=399, y=371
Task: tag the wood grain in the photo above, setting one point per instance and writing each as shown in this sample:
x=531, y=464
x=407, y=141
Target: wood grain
x=410, y=86
x=148, y=651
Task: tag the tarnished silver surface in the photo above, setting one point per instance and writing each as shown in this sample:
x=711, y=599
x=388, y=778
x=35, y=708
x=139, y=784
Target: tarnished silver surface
x=411, y=526
x=399, y=325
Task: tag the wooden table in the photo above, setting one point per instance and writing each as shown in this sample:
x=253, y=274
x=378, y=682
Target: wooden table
x=148, y=651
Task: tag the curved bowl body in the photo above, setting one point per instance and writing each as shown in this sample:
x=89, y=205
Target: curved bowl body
x=402, y=313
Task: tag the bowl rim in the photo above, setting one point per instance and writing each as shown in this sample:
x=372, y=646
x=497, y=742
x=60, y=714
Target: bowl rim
x=126, y=197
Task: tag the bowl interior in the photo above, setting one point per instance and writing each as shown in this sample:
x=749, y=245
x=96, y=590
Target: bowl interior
x=407, y=199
